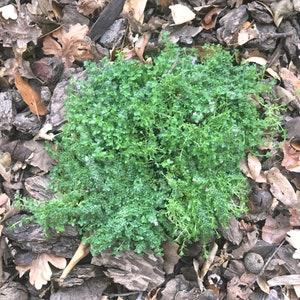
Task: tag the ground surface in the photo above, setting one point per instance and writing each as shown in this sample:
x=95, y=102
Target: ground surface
x=43, y=43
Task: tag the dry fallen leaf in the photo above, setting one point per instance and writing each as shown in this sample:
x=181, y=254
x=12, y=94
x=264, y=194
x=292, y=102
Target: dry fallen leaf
x=251, y=167
x=291, y=158
x=284, y=8
x=295, y=217
x=82, y=251
x=281, y=188
x=9, y=12
x=39, y=269
x=30, y=96
x=39, y=157
x=237, y=289
x=16, y=33
x=69, y=45
x=263, y=285
x=140, y=45
x=209, y=21
x=257, y=60
x=293, y=237
x=135, y=8
x=248, y=32
x=5, y=161
x=3, y=199
x=87, y=7
x=248, y=243
x=274, y=230
x=181, y=14
x=290, y=81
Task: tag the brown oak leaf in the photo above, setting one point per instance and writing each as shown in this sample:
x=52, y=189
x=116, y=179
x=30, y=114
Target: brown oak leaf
x=30, y=96
x=39, y=269
x=69, y=45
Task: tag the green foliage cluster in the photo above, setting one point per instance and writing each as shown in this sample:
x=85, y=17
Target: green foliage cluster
x=152, y=152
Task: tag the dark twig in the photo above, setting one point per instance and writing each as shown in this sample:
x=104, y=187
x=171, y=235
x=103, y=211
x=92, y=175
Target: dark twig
x=267, y=262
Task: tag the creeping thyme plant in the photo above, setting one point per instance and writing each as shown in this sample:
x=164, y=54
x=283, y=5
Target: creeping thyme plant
x=152, y=152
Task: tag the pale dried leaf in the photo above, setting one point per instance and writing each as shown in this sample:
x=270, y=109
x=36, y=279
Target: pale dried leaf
x=257, y=59
x=281, y=188
x=236, y=289
x=140, y=45
x=87, y=7
x=273, y=73
x=291, y=158
x=248, y=32
x=39, y=269
x=208, y=262
x=39, y=157
x=293, y=237
x=181, y=14
x=135, y=8
x=5, y=161
x=3, y=199
x=284, y=280
x=82, y=251
x=263, y=285
x=295, y=215
x=43, y=133
x=283, y=8
x=251, y=167
x=254, y=166
x=275, y=230
x=9, y=12
x=290, y=81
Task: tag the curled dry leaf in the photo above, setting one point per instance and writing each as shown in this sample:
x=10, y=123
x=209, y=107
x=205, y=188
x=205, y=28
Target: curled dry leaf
x=30, y=96
x=209, y=21
x=181, y=14
x=251, y=167
x=140, y=45
x=69, y=45
x=39, y=269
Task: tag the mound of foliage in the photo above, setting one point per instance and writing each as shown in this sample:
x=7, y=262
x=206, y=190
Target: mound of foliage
x=152, y=152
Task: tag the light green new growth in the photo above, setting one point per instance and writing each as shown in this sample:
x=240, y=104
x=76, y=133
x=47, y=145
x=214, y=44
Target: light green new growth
x=152, y=152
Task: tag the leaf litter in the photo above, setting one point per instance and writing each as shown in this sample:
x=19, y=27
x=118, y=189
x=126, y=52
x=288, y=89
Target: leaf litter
x=24, y=26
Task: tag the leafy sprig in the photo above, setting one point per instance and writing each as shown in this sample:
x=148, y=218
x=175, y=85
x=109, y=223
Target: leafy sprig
x=152, y=152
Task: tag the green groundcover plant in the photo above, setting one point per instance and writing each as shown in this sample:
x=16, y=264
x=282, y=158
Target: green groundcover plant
x=152, y=152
